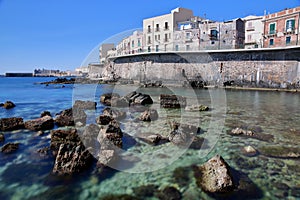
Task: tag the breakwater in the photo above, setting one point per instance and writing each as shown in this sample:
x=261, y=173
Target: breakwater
x=263, y=68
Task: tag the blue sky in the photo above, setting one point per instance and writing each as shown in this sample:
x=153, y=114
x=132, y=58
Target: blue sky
x=59, y=34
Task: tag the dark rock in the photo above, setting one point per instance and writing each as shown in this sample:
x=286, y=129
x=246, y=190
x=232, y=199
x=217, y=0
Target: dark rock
x=46, y=113
x=8, y=105
x=44, y=151
x=103, y=119
x=119, y=197
x=214, y=176
x=105, y=99
x=142, y=99
x=149, y=115
x=114, y=113
x=172, y=101
x=1, y=104
x=197, y=143
x=71, y=116
x=58, y=137
x=145, y=191
x=295, y=192
x=2, y=138
x=199, y=108
x=181, y=176
x=44, y=123
x=280, y=152
x=71, y=159
x=169, y=193
x=10, y=124
x=60, y=81
x=179, y=138
x=110, y=136
x=87, y=105
x=89, y=136
x=10, y=147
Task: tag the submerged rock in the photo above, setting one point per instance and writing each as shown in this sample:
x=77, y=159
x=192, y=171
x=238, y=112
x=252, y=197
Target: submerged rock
x=2, y=138
x=152, y=138
x=114, y=113
x=280, y=152
x=172, y=101
x=169, y=193
x=249, y=151
x=106, y=156
x=149, y=115
x=8, y=105
x=103, y=119
x=214, y=176
x=105, y=99
x=199, y=108
x=10, y=124
x=252, y=134
x=110, y=137
x=10, y=147
x=145, y=191
x=87, y=105
x=119, y=197
x=43, y=123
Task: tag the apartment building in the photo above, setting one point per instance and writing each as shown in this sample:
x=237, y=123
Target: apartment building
x=254, y=30
x=159, y=31
x=282, y=28
x=104, y=48
x=131, y=44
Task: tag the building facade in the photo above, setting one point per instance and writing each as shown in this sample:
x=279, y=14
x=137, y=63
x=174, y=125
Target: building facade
x=104, y=48
x=159, y=31
x=254, y=30
x=282, y=28
x=131, y=44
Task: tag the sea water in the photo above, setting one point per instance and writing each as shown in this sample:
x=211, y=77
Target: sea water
x=25, y=174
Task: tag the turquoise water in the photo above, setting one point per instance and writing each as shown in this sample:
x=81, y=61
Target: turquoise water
x=26, y=174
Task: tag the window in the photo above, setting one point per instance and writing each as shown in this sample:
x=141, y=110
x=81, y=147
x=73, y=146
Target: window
x=256, y=46
x=132, y=44
x=156, y=48
x=157, y=27
x=290, y=25
x=188, y=35
x=166, y=37
x=149, y=49
x=188, y=47
x=288, y=40
x=212, y=42
x=224, y=41
x=149, y=29
x=166, y=26
x=272, y=27
x=155, y=37
x=271, y=42
x=139, y=42
x=213, y=34
x=176, y=47
x=149, y=40
x=249, y=37
x=158, y=37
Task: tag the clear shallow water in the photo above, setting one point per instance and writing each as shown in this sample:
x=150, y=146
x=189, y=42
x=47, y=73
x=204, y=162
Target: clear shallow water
x=26, y=175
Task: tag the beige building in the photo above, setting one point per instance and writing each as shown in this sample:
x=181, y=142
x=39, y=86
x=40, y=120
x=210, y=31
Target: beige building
x=159, y=31
x=254, y=30
x=104, y=48
x=131, y=45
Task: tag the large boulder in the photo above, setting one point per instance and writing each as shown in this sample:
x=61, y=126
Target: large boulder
x=10, y=147
x=10, y=124
x=71, y=159
x=106, y=98
x=214, y=176
x=43, y=123
x=8, y=105
x=149, y=115
x=103, y=119
x=87, y=105
x=172, y=101
x=110, y=136
x=70, y=117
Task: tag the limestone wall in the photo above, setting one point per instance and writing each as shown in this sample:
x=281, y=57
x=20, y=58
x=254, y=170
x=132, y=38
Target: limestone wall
x=259, y=68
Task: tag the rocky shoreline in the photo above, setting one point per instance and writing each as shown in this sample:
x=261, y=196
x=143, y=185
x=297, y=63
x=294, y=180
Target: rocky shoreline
x=71, y=155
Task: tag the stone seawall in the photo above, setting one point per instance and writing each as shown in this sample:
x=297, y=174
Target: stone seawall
x=275, y=68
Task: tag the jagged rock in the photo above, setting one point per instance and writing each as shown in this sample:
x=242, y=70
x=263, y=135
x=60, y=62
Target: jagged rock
x=172, y=101
x=44, y=123
x=10, y=147
x=103, y=119
x=249, y=151
x=2, y=138
x=71, y=116
x=110, y=136
x=180, y=138
x=114, y=113
x=105, y=99
x=10, y=124
x=142, y=99
x=71, y=159
x=8, y=105
x=149, y=115
x=199, y=108
x=214, y=176
x=46, y=113
x=105, y=157
x=169, y=193
x=58, y=137
x=87, y=105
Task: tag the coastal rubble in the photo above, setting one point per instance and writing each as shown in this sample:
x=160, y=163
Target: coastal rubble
x=43, y=123
x=11, y=124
